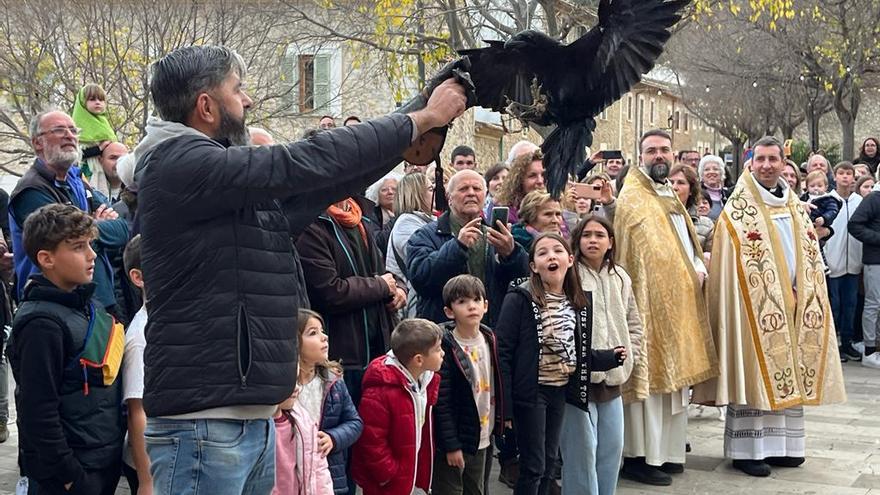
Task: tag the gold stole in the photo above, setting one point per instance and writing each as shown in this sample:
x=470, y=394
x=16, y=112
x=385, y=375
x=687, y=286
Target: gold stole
x=790, y=329
x=673, y=309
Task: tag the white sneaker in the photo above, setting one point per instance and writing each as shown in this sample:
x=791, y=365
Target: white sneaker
x=871, y=361
x=859, y=346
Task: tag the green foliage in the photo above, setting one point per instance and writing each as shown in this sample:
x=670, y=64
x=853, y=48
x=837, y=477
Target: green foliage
x=800, y=152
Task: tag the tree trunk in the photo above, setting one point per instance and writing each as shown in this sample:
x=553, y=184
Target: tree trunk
x=848, y=128
x=737, y=146
x=813, y=125
x=847, y=99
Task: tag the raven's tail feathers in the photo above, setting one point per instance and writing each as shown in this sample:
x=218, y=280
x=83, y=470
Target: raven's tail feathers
x=564, y=151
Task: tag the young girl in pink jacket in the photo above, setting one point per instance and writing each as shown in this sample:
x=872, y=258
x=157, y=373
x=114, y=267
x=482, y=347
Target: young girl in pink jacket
x=300, y=448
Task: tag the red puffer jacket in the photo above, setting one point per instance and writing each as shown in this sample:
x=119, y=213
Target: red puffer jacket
x=385, y=460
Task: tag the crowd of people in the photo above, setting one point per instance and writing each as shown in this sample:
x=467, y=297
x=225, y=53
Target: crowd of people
x=216, y=313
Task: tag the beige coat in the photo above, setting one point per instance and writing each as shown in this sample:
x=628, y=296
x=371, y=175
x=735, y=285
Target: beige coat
x=616, y=322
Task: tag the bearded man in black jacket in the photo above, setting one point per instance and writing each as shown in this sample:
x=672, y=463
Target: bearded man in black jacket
x=219, y=267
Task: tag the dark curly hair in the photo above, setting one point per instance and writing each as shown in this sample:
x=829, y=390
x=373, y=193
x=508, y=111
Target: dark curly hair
x=50, y=225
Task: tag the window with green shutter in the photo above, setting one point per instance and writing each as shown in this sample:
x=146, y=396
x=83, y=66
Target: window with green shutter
x=306, y=80
x=321, y=81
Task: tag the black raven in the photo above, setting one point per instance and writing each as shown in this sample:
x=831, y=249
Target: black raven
x=539, y=80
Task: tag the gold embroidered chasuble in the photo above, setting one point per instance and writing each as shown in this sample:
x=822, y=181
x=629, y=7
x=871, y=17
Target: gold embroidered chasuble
x=678, y=342
x=777, y=346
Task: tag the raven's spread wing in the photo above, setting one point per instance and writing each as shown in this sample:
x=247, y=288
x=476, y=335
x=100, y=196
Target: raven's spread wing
x=624, y=45
x=500, y=73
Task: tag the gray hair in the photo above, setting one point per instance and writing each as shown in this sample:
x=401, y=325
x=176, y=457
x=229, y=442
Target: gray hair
x=373, y=191
x=712, y=159
x=817, y=155
x=180, y=76
x=520, y=148
x=450, y=186
x=34, y=124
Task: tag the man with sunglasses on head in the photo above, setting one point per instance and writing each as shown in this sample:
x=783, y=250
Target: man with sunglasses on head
x=55, y=178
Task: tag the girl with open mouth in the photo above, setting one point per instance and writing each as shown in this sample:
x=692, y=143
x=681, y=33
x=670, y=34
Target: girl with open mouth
x=544, y=343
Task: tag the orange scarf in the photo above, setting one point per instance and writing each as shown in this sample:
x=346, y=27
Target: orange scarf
x=351, y=218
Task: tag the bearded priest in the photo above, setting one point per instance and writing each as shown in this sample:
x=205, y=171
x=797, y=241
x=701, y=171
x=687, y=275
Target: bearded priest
x=771, y=320
x=657, y=246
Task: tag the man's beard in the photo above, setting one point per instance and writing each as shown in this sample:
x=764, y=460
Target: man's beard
x=232, y=129
x=55, y=156
x=659, y=171
x=111, y=174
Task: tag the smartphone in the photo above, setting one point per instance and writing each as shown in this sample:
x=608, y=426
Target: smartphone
x=612, y=155
x=588, y=191
x=499, y=214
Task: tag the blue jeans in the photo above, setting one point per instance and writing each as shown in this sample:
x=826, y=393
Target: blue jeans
x=843, y=293
x=211, y=456
x=592, y=445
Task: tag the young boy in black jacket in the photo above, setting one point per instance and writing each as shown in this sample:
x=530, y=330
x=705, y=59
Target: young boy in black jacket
x=466, y=412
x=65, y=352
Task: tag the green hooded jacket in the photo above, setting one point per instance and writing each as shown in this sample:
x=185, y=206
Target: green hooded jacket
x=94, y=128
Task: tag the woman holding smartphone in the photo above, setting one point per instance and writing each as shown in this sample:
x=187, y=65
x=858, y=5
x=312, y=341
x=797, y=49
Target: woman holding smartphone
x=593, y=196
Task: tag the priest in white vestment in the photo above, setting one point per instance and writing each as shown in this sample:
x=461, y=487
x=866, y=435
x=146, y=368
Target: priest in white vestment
x=771, y=319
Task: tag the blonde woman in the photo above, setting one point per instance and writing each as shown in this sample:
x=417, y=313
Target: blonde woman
x=412, y=207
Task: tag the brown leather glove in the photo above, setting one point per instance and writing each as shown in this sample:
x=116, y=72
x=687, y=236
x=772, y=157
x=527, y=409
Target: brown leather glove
x=429, y=144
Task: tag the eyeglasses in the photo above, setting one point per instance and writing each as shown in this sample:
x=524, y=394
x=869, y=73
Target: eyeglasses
x=61, y=131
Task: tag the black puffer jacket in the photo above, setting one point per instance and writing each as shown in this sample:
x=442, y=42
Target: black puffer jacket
x=218, y=261
x=864, y=225
x=62, y=428
x=456, y=419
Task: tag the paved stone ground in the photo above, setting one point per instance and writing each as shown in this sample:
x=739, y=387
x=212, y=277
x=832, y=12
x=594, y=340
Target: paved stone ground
x=843, y=453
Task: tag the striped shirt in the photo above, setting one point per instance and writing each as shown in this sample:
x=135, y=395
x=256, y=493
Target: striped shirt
x=558, y=354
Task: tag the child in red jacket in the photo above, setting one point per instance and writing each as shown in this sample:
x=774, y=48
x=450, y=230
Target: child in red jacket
x=395, y=453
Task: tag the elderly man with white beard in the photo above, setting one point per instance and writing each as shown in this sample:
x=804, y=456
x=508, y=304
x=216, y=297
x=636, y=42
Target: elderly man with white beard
x=55, y=178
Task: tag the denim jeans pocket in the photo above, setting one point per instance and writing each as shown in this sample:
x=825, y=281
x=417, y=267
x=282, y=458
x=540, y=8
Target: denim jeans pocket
x=223, y=433
x=163, y=452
